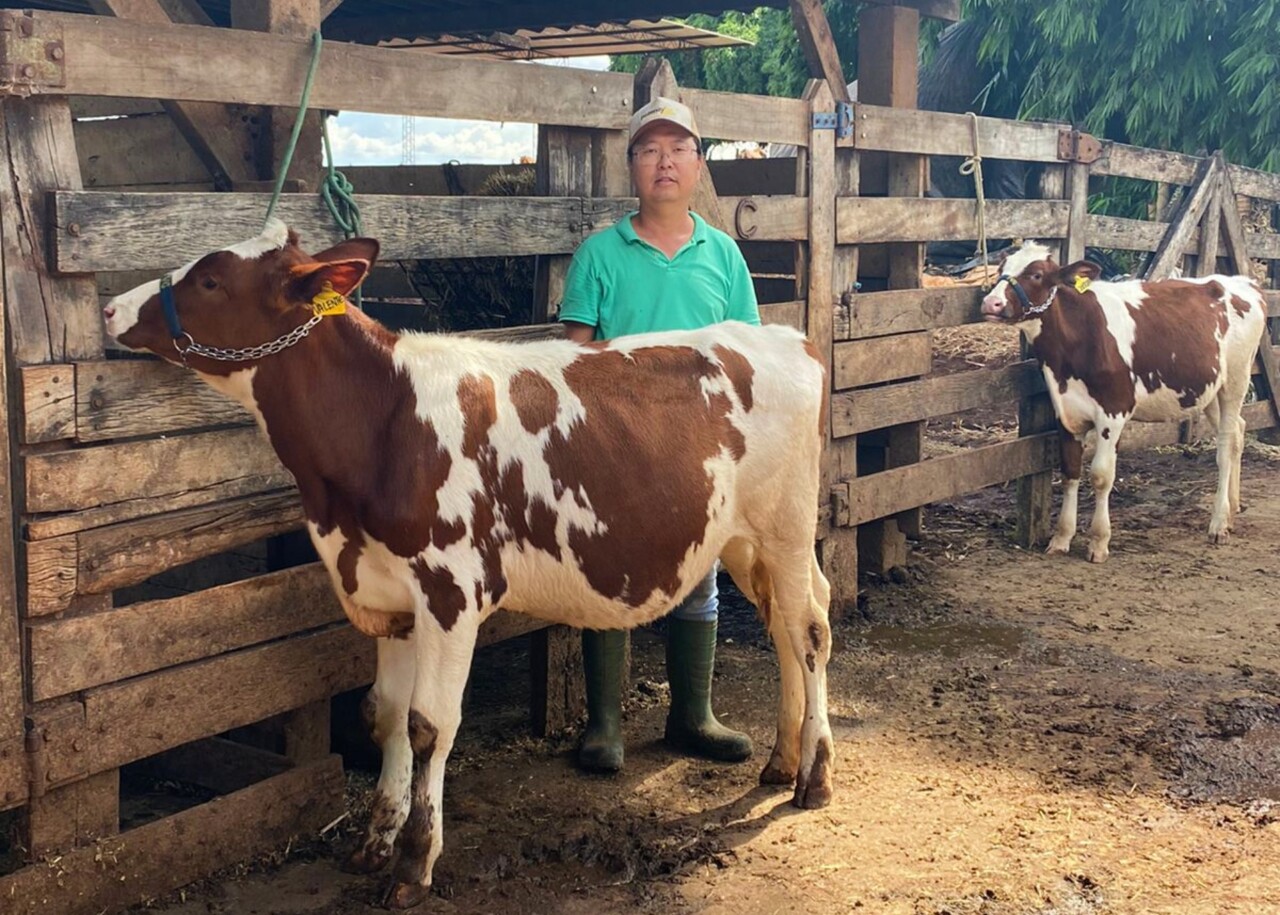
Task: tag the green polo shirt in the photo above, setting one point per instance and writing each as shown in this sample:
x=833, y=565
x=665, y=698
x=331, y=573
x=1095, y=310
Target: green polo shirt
x=620, y=284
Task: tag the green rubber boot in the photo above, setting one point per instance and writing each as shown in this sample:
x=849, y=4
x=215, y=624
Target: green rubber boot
x=602, y=659
x=691, y=725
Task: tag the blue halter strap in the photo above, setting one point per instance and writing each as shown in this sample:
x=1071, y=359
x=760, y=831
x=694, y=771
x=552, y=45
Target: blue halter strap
x=170, y=309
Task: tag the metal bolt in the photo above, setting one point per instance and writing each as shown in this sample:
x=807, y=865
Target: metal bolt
x=97, y=401
x=77, y=744
x=24, y=26
x=28, y=71
x=74, y=230
x=56, y=52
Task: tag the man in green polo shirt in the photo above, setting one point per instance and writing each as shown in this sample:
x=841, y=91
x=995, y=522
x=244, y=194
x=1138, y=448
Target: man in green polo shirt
x=659, y=268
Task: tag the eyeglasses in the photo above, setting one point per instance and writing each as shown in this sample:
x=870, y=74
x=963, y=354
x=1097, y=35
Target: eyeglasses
x=652, y=155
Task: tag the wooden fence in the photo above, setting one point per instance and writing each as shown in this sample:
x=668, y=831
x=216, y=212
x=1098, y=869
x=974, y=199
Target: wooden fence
x=124, y=470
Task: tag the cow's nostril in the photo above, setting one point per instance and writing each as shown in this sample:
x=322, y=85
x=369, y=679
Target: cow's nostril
x=109, y=311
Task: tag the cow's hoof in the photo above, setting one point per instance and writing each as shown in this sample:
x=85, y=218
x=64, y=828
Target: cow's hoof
x=776, y=773
x=1057, y=545
x=401, y=896
x=813, y=796
x=1098, y=553
x=366, y=860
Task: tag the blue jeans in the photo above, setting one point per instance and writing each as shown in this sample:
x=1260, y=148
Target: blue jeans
x=703, y=603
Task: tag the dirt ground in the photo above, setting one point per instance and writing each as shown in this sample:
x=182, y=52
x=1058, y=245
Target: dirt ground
x=1015, y=733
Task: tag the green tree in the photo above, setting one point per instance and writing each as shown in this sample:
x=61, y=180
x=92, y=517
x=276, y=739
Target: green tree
x=1186, y=75
x=772, y=65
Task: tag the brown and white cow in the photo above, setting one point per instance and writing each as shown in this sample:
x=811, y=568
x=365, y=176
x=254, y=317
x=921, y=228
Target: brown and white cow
x=444, y=478
x=1149, y=351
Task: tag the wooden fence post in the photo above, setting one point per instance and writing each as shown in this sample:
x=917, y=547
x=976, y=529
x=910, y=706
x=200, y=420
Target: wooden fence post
x=888, y=38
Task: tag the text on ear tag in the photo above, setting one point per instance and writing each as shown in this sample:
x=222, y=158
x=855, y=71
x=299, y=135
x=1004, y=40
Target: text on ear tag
x=1082, y=283
x=327, y=302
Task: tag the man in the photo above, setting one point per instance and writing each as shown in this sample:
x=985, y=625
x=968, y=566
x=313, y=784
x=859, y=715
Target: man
x=659, y=268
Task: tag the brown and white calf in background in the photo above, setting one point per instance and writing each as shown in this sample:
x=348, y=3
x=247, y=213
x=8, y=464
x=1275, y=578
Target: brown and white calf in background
x=444, y=478
x=1150, y=351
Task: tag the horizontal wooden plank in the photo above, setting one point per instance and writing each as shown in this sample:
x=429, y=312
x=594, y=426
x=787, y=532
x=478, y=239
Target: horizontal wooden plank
x=941, y=134
x=879, y=495
x=873, y=314
x=863, y=362
x=135, y=231
x=865, y=220
x=148, y=150
x=99, y=560
x=783, y=218
x=1124, y=161
x=107, y=474
x=789, y=313
x=48, y=396
x=853, y=412
x=68, y=655
x=1131, y=234
x=72, y=654
x=733, y=116
x=156, y=712
x=111, y=57
x=1252, y=182
x=46, y=526
x=115, y=873
x=128, y=398
x=1264, y=245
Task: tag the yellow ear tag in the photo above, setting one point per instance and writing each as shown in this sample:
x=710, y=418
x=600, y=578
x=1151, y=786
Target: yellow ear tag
x=327, y=302
x=1082, y=284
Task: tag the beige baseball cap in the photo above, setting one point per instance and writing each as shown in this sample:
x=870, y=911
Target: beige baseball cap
x=663, y=109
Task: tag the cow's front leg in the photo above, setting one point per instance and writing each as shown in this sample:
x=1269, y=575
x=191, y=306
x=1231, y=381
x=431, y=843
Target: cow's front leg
x=1102, y=473
x=443, y=660
x=386, y=714
x=1226, y=500
x=1071, y=449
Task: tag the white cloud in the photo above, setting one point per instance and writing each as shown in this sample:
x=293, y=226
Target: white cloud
x=372, y=139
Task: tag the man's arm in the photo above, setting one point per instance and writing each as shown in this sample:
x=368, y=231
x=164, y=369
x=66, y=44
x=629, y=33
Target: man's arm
x=579, y=333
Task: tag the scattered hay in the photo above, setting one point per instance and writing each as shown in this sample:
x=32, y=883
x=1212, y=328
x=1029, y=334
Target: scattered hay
x=978, y=345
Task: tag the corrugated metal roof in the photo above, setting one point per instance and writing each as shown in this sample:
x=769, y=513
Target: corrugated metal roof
x=373, y=21
x=639, y=36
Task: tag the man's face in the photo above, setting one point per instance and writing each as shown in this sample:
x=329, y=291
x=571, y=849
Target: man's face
x=665, y=164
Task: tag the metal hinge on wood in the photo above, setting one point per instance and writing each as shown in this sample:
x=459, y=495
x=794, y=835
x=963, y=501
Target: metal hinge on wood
x=35, y=760
x=840, y=120
x=32, y=55
x=1078, y=146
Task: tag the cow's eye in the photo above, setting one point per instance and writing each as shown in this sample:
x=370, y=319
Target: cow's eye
x=209, y=282
x=1035, y=276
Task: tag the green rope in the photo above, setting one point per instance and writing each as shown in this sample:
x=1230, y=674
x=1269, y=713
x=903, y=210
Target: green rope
x=316, y=42
x=335, y=190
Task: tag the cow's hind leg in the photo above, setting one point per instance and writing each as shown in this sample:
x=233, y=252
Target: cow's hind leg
x=798, y=586
x=386, y=713
x=1072, y=456
x=1231, y=425
x=444, y=660
x=751, y=576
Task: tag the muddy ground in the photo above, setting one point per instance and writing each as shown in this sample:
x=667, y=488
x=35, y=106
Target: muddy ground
x=1015, y=734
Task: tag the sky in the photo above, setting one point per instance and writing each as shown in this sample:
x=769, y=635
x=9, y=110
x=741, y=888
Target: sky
x=377, y=139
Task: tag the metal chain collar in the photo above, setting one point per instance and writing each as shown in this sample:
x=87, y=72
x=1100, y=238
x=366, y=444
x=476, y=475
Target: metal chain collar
x=247, y=354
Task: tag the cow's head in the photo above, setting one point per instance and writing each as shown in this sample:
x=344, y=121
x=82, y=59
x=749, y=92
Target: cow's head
x=1028, y=284
x=230, y=308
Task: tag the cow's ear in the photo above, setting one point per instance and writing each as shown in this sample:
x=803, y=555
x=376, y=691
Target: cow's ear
x=363, y=248
x=1080, y=273
x=306, y=281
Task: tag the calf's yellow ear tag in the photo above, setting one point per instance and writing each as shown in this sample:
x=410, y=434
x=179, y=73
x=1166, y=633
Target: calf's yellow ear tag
x=327, y=302
x=1082, y=283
